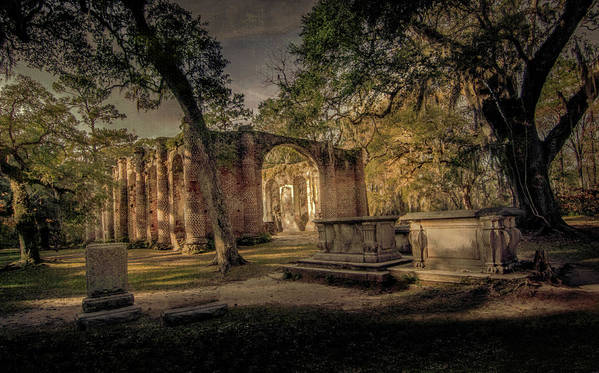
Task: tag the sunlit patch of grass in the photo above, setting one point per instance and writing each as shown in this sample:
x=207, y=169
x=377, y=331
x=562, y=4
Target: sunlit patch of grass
x=63, y=273
x=8, y=256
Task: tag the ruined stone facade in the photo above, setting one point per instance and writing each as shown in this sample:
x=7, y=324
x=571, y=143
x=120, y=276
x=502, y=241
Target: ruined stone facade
x=157, y=199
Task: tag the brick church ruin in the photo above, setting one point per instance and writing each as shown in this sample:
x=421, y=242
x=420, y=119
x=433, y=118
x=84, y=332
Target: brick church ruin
x=156, y=196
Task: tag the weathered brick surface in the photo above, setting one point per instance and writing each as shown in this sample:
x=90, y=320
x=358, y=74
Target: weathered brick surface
x=160, y=199
x=121, y=224
x=162, y=195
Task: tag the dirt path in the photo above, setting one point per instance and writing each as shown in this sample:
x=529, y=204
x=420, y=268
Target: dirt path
x=256, y=291
x=271, y=290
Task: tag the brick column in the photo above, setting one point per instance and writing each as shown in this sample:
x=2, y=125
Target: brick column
x=195, y=224
x=149, y=190
x=162, y=195
x=131, y=226
x=360, y=186
x=328, y=187
x=121, y=231
x=140, y=196
x=252, y=208
x=108, y=214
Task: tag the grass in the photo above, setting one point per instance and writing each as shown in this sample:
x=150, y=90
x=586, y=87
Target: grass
x=426, y=328
x=63, y=273
x=583, y=249
x=259, y=339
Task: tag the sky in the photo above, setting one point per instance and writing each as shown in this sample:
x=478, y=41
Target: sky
x=250, y=32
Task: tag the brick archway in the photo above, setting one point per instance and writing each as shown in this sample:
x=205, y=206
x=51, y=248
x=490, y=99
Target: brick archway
x=240, y=155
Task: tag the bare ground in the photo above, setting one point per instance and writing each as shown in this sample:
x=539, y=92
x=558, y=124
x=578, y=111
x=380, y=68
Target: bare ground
x=417, y=302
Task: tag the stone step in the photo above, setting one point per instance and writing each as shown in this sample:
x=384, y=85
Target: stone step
x=109, y=302
x=319, y=273
x=92, y=319
x=433, y=275
x=184, y=315
x=380, y=266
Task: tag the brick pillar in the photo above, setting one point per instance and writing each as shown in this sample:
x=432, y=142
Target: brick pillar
x=252, y=208
x=360, y=186
x=131, y=226
x=162, y=196
x=328, y=187
x=108, y=214
x=195, y=224
x=140, y=196
x=149, y=190
x=121, y=231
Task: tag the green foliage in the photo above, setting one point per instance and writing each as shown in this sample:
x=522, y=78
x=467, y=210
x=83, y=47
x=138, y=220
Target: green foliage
x=579, y=202
x=431, y=160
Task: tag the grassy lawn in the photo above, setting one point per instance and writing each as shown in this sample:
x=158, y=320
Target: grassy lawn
x=63, y=273
x=426, y=328
x=584, y=250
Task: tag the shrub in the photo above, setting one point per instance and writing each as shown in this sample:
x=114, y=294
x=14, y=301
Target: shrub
x=579, y=202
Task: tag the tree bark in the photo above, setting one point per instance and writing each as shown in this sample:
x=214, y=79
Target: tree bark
x=26, y=227
x=526, y=164
x=196, y=136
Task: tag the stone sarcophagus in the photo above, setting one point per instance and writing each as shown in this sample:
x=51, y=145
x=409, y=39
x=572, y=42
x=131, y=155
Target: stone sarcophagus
x=363, y=239
x=465, y=240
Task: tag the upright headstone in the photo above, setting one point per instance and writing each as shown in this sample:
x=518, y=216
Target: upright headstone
x=108, y=300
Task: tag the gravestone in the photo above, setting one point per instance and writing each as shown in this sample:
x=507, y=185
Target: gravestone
x=107, y=300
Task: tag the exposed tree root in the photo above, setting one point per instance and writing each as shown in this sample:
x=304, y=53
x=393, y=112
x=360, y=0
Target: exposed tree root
x=543, y=270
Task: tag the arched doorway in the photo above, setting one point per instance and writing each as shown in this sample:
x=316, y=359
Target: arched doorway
x=290, y=190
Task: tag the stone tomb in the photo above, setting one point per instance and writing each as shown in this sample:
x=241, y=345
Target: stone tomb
x=465, y=240
x=106, y=278
x=353, y=248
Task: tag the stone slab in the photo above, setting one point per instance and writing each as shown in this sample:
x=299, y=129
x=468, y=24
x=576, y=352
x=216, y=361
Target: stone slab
x=431, y=275
x=357, y=219
x=184, y=315
x=106, y=269
x=108, y=302
x=453, y=214
x=350, y=265
x=318, y=273
x=93, y=319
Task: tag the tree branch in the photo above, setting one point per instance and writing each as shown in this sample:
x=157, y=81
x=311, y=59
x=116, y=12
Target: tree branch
x=538, y=68
x=575, y=109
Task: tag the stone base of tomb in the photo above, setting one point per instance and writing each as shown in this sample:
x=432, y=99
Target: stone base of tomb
x=110, y=302
x=342, y=272
x=92, y=319
x=353, y=249
x=463, y=241
x=449, y=276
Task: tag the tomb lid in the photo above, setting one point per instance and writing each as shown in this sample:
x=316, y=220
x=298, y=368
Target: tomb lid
x=356, y=219
x=453, y=214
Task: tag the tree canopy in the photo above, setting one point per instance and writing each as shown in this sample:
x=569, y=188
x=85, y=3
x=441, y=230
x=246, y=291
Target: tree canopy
x=370, y=59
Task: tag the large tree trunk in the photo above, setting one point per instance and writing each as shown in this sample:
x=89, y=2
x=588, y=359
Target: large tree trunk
x=224, y=240
x=25, y=223
x=526, y=164
x=196, y=136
